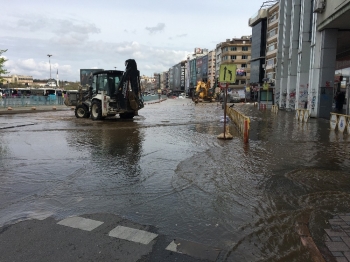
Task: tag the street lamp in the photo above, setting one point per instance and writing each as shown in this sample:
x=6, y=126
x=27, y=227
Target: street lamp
x=50, y=64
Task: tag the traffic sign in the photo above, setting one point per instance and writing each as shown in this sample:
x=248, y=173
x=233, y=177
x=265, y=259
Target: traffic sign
x=227, y=73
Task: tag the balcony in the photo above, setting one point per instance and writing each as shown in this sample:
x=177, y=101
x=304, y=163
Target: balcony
x=271, y=53
x=273, y=24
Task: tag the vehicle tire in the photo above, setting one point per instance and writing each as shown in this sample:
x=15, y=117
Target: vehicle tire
x=127, y=115
x=82, y=111
x=96, y=110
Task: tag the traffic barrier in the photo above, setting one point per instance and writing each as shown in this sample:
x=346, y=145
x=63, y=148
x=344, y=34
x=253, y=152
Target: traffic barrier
x=242, y=122
x=302, y=115
x=274, y=108
x=262, y=106
x=340, y=121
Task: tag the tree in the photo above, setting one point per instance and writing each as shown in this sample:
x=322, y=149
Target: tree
x=2, y=61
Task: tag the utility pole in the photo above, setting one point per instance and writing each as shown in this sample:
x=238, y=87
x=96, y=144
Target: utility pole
x=49, y=63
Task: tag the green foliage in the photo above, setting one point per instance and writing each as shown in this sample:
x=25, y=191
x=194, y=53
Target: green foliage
x=3, y=71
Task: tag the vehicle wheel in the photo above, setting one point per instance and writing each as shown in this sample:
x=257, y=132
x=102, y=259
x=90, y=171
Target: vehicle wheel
x=127, y=115
x=82, y=111
x=96, y=110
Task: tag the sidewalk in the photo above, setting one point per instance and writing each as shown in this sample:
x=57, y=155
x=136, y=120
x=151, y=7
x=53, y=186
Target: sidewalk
x=32, y=109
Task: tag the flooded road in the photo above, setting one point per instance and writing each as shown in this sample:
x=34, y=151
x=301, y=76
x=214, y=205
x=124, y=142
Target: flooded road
x=166, y=168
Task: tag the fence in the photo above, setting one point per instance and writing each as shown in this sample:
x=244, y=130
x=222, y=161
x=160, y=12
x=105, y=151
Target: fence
x=340, y=121
x=32, y=100
x=242, y=122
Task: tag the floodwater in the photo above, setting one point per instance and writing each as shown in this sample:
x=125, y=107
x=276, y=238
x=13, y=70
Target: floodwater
x=166, y=168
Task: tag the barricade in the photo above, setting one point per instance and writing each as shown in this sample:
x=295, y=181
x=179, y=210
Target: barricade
x=302, y=115
x=242, y=122
x=274, y=108
x=340, y=122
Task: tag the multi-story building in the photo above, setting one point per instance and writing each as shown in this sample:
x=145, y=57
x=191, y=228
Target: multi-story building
x=257, y=63
x=211, y=67
x=217, y=62
x=313, y=42
x=271, y=43
x=238, y=51
x=18, y=79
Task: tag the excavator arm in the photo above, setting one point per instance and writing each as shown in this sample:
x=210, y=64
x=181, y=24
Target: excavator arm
x=129, y=89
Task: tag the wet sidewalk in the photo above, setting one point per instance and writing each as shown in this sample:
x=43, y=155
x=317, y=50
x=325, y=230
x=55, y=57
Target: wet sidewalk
x=32, y=109
x=338, y=237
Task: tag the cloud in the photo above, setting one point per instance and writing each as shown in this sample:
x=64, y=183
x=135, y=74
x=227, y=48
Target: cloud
x=158, y=28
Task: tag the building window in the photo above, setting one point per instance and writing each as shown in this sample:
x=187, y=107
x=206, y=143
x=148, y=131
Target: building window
x=225, y=49
x=244, y=65
x=271, y=47
x=272, y=18
x=233, y=48
x=270, y=62
x=272, y=33
x=244, y=57
x=233, y=57
x=244, y=48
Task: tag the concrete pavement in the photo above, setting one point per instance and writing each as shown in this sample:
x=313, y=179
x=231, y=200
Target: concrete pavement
x=96, y=237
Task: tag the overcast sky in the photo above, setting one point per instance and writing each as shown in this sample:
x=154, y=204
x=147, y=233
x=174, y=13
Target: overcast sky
x=103, y=34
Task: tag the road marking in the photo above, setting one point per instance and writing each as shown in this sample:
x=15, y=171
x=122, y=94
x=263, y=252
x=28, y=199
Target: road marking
x=193, y=249
x=81, y=223
x=131, y=234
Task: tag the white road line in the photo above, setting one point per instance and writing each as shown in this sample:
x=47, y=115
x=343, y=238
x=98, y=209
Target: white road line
x=131, y=234
x=81, y=223
x=172, y=247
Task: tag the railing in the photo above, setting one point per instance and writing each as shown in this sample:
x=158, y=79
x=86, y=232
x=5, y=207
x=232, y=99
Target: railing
x=241, y=121
x=340, y=121
x=24, y=101
x=302, y=115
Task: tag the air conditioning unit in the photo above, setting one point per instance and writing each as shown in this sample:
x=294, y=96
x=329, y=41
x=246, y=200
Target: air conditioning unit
x=319, y=6
x=263, y=66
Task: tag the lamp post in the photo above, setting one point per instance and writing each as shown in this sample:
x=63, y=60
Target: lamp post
x=49, y=63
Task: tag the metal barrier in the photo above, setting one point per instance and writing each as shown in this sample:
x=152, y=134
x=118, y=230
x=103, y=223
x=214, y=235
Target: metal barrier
x=274, y=108
x=27, y=101
x=242, y=122
x=340, y=121
x=302, y=115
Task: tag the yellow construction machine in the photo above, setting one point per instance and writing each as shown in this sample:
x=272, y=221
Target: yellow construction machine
x=203, y=92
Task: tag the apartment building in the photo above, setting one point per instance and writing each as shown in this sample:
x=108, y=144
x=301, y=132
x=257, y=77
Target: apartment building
x=211, y=67
x=238, y=51
x=271, y=43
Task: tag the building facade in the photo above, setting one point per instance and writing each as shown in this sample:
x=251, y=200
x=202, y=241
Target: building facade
x=18, y=79
x=307, y=57
x=238, y=51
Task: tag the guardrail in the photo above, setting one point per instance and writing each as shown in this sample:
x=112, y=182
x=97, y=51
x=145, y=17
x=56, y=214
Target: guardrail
x=302, y=115
x=242, y=122
x=24, y=101
x=340, y=121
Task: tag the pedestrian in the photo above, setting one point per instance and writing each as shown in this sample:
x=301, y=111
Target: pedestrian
x=340, y=101
x=59, y=97
x=46, y=96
